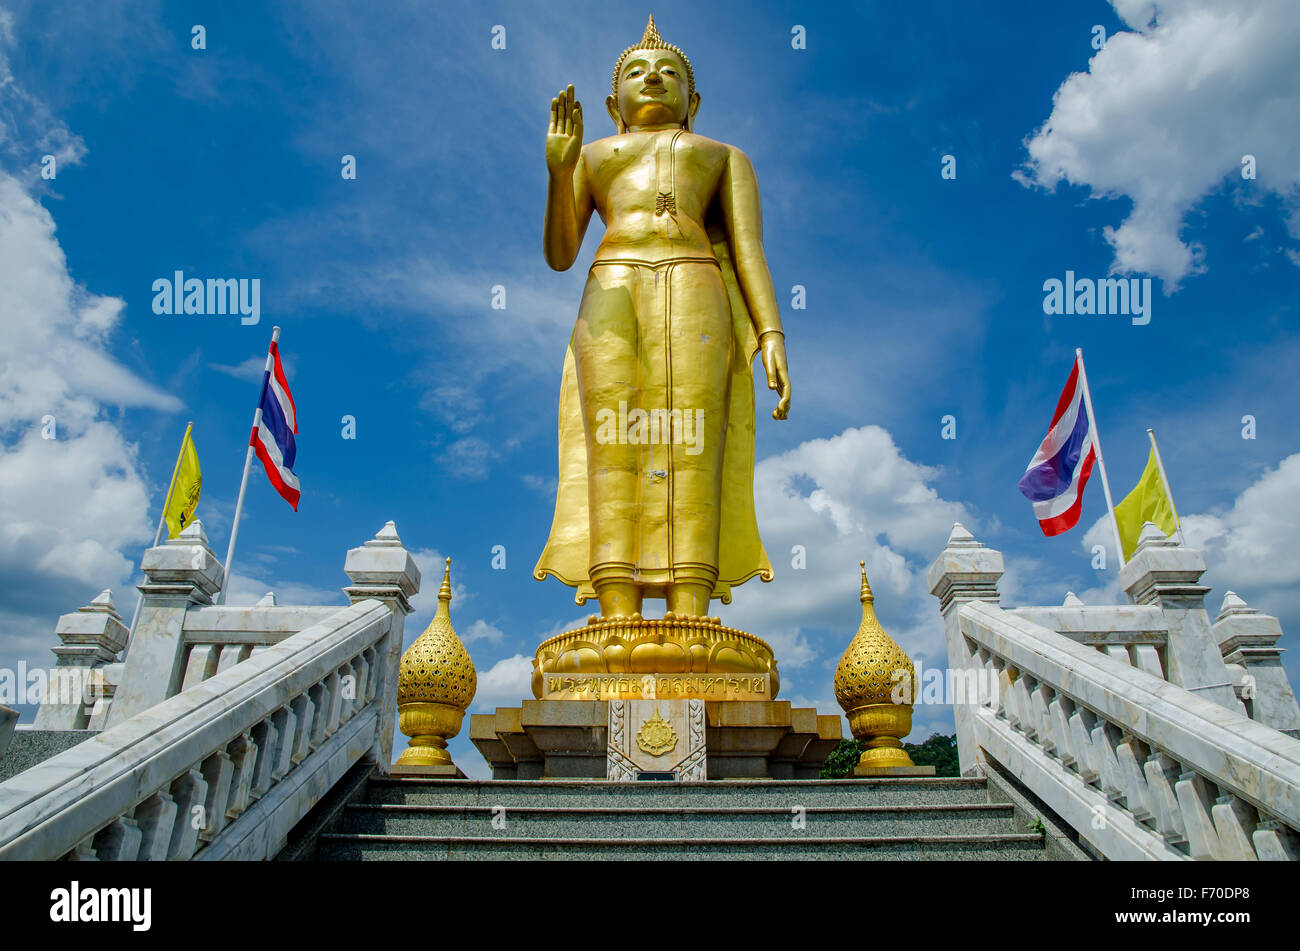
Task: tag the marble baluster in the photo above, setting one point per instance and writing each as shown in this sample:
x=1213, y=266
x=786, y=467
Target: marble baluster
x=1196, y=799
x=1130, y=755
x=190, y=792
x=1162, y=771
x=1081, y=723
x=243, y=754
x=119, y=841
x=217, y=770
x=156, y=818
x=1234, y=822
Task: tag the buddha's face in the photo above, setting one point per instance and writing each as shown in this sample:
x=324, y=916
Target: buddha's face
x=653, y=90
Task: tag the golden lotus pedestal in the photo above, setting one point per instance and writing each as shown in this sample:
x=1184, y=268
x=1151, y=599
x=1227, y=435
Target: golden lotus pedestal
x=446, y=771
x=881, y=726
x=429, y=726
x=636, y=646
x=636, y=697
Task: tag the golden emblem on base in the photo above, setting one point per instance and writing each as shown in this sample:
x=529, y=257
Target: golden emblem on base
x=656, y=736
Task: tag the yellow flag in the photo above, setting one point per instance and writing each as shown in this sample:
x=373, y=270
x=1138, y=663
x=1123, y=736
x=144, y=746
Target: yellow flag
x=1148, y=502
x=186, y=483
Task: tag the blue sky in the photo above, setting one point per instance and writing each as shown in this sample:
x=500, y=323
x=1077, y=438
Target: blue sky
x=924, y=294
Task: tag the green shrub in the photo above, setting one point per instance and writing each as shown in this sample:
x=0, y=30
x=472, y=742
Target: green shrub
x=938, y=751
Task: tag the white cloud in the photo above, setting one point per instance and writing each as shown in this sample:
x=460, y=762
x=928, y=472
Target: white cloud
x=52, y=348
x=245, y=589
x=70, y=507
x=504, y=684
x=1249, y=545
x=546, y=488
x=460, y=408
x=26, y=124
x=250, y=370
x=1252, y=544
x=851, y=497
x=571, y=624
x=74, y=509
x=481, y=630
x=1165, y=114
x=467, y=458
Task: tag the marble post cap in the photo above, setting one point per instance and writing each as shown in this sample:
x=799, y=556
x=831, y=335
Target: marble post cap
x=191, y=534
x=960, y=537
x=94, y=633
x=187, y=559
x=1072, y=600
x=1233, y=603
x=91, y=622
x=1240, y=625
x=268, y=600
x=383, y=561
x=102, y=603
x=386, y=536
x=962, y=562
x=1159, y=562
x=1153, y=536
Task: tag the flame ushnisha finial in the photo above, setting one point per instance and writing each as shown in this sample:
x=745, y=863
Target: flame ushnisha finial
x=651, y=39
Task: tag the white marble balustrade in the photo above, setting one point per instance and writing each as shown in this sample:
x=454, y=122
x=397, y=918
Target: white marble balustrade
x=1135, y=634
x=223, y=769
x=1130, y=721
x=1140, y=767
x=217, y=638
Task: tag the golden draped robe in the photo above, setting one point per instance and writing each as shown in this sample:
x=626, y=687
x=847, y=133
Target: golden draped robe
x=567, y=555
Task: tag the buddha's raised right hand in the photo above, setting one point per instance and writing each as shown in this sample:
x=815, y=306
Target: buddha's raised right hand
x=564, y=136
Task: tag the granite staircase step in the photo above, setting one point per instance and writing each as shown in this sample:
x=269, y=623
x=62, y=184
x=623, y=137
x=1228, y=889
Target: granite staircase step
x=658, y=822
x=944, y=819
x=714, y=793
x=1011, y=846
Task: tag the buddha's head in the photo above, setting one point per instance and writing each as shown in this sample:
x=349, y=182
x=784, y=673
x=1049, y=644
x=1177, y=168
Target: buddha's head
x=653, y=85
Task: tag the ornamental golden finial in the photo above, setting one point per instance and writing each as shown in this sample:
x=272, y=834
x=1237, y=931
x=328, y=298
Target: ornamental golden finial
x=872, y=679
x=435, y=685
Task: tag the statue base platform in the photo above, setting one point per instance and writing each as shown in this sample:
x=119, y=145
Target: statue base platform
x=864, y=772
x=570, y=739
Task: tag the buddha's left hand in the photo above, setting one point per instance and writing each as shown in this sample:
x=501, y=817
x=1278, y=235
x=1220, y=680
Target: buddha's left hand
x=778, y=374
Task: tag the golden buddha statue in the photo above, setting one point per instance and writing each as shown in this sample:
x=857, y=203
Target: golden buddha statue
x=656, y=419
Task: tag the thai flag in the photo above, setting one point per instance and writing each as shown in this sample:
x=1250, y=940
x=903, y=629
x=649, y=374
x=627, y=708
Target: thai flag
x=272, y=437
x=1059, y=470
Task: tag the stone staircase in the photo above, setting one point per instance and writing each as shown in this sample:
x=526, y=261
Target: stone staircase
x=390, y=819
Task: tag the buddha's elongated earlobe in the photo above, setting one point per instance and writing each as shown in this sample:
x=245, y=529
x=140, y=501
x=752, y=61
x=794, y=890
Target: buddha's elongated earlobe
x=692, y=107
x=611, y=106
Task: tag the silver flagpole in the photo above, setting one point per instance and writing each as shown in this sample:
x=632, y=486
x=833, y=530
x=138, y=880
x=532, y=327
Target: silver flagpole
x=248, y=464
x=1169, y=493
x=1101, y=462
